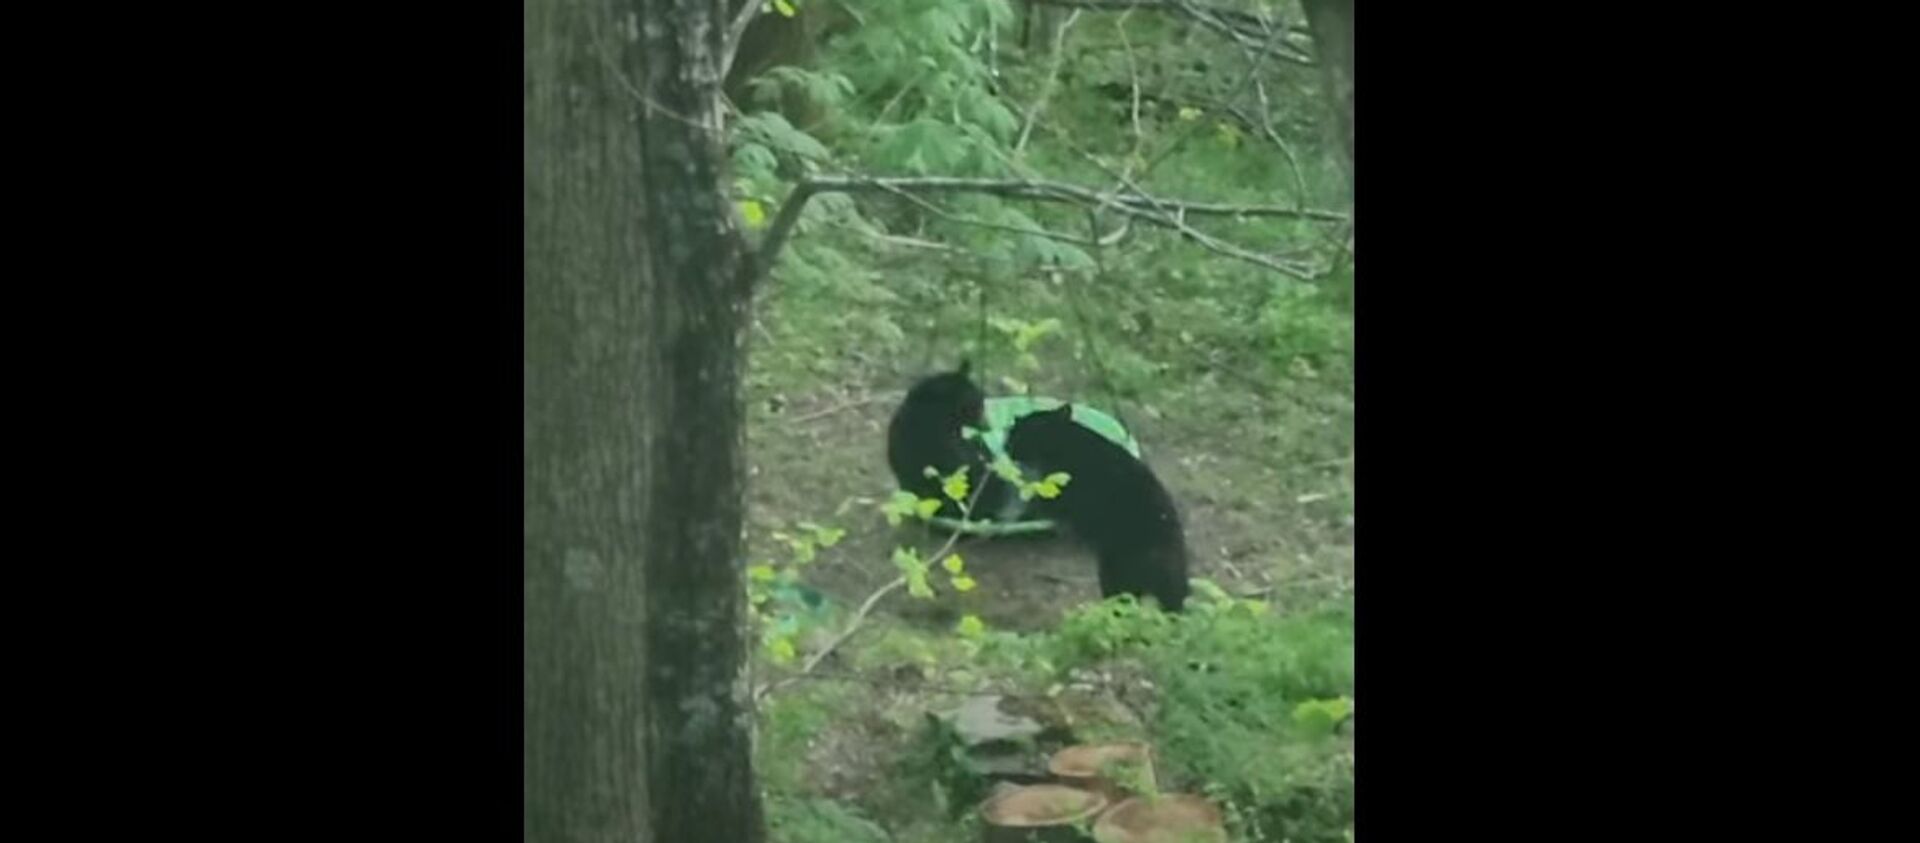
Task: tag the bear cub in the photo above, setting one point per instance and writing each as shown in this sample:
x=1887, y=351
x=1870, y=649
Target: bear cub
x=926, y=431
x=1113, y=503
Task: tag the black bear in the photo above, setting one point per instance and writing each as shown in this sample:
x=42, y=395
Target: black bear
x=926, y=431
x=1112, y=502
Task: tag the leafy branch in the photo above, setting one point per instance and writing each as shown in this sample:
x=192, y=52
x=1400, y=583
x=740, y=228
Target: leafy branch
x=866, y=606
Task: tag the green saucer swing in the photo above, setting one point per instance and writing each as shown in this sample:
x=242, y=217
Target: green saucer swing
x=1001, y=413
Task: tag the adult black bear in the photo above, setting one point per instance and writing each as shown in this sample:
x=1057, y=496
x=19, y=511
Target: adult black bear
x=926, y=432
x=1113, y=503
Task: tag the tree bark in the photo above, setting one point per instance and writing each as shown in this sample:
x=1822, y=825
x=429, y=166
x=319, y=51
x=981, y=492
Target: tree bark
x=637, y=723
x=1332, y=24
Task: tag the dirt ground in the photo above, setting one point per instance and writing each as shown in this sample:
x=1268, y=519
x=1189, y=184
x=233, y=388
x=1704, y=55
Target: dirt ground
x=1254, y=523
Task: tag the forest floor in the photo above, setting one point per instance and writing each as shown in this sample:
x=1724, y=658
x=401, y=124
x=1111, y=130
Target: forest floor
x=1263, y=480
x=1249, y=529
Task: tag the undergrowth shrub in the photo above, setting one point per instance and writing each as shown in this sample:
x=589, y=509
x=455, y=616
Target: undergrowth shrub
x=1251, y=705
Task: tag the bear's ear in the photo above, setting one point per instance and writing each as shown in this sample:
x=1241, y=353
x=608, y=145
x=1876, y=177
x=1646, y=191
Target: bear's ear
x=966, y=366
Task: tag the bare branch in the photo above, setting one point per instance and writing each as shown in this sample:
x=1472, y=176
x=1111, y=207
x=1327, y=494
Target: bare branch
x=1174, y=216
x=857, y=402
x=1266, y=127
x=1051, y=191
x=749, y=9
x=1247, y=30
x=1133, y=74
x=1053, y=76
x=1010, y=229
x=1133, y=201
x=916, y=243
x=1244, y=20
x=781, y=228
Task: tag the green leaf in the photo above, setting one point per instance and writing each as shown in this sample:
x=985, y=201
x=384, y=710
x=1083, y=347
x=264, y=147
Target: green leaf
x=1322, y=714
x=784, y=8
x=770, y=128
x=1228, y=135
x=802, y=550
x=1004, y=466
x=953, y=563
x=754, y=213
x=755, y=161
x=781, y=650
x=963, y=583
x=907, y=559
x=900, y=506
x=955, y=485
x=1049, y=486
x=761, y=573
x=971, y=627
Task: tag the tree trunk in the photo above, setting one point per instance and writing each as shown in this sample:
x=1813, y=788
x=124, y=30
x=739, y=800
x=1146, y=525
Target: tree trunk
x=1332, y=24
x=637, y=726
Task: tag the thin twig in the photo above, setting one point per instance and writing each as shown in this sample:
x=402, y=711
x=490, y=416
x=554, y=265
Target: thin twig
x=1046, y=87
x=852, y=625
x=1244, y=20
x=889, y=682
x=995, y=226
x=730, y=49
x=881, y=118
x=866, y=607
x=1052, y=191
x=1253, y=72
x=1167, y=213
x=821, y=414
x=916, y=243
x=1175, y=218
x=1266, y=126
x=1133, y=72
x=1242, y=28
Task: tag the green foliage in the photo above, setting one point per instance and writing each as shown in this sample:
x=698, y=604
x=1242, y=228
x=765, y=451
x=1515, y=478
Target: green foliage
x=903, y=505
x=780, y=605
x=940, y=758
x=1249, y=702
x=771, y=130
x=824, y=88
x=788, y=725
x=1304, y=331
x=815, y=820
x=1024, y=335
